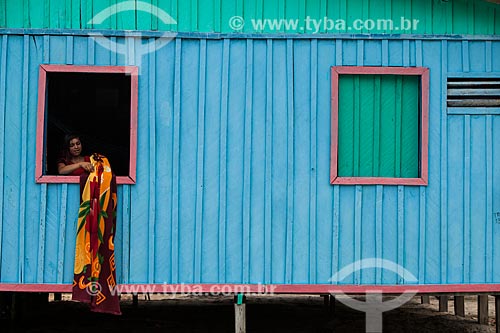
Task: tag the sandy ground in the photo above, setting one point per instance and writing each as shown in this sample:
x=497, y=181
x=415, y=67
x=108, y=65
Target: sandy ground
x=184, y=313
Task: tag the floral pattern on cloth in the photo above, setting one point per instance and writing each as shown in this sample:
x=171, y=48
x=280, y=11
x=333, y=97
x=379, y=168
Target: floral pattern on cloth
x=95, y=270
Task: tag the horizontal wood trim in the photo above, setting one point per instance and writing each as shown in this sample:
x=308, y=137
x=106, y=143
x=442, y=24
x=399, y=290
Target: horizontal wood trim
x=490, y=289
x=120, y=180
x=366, y=70
x=377, y=181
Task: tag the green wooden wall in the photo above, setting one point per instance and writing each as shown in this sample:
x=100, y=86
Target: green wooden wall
x=378, y=126
x=435, y=16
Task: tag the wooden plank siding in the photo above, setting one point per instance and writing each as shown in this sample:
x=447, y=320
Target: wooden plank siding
x=233, y=168
x=435, y=17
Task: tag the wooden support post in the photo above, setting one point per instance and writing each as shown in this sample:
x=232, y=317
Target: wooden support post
x=482, y=309
x=239, y=314
x=425, y=299
x=443, y=303
x=332, y=304
x=135, y=301
x=459, y=304
x=497, y=313
x=5, y=309
x=326, y=301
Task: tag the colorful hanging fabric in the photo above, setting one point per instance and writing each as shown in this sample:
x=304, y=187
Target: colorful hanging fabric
x=95, y=270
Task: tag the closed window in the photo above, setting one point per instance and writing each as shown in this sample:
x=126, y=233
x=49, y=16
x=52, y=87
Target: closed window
x=379, y=125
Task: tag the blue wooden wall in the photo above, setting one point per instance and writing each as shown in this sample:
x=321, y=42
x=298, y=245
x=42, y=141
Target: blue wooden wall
x=233, y=168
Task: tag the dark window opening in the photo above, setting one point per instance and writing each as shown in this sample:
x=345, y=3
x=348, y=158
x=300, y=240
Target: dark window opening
x=97, y=107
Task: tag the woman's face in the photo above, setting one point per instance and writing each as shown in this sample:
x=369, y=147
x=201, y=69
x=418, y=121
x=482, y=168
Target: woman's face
x=75, y=147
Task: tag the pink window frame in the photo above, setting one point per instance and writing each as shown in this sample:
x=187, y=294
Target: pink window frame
x=423, y=72
x=40, y=128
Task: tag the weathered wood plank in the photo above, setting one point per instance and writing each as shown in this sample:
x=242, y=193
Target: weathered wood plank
x=473, y=92
x=474, y=102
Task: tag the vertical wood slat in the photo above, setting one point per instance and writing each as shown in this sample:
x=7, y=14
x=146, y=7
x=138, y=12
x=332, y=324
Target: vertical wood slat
x=247, y=161
x=3, y=87
x=41, y=234
x=422, y=194
x=336, y=231
x=23, y=172
x=489, y=175
x=268, y=162
x=43, y=196
x=313, y=237
x=467, y=176
x=378, y=230
x=401, y=233
x=467, y=201
x=379, y=225
x=200, y=162
x=488, y=250
x=152, y=164
x=290, y=165
x=62, y=232
x=358, y=211
x=358, y=208
x=69, y=50
x=126, y=223
x=336, y=190
x=398, y=127
x=377, y=110
x=217, y=15
x=2, y=14
x=176, y=163
x=444, y=166
x=223, y=161
x=356, y=126
x=90, y=51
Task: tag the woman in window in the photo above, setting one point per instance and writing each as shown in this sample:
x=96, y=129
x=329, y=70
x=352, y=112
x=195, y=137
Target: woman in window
x=71, y=161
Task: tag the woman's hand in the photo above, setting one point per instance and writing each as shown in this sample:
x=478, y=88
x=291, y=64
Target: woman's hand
x=87, y=166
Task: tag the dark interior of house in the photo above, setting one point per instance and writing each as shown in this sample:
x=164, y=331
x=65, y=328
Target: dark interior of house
x=96, y=106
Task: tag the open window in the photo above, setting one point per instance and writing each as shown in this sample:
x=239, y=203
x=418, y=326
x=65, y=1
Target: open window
x=379, y=129
x=97, y=102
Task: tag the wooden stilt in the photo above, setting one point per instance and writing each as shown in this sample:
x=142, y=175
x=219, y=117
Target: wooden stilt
x=332, y=304
x=459, y=304
x=326, y=301
x=5, y=308
x=425, y=299
x=497, y=313
x=239, y=313
x=443, y=303
x=135, y=301
x=482, y=309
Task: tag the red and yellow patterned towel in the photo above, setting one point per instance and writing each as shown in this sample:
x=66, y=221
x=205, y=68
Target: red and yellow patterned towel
x=95, y=271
